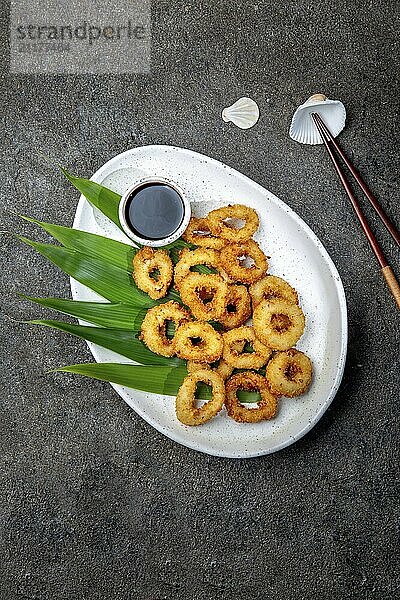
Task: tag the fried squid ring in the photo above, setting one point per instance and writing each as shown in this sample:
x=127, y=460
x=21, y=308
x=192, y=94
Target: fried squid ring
x=239, y=359
x=152, y=272
x=154, y=327
x=223, y=222
x=186, y=410
x=205, y=295
x=198, y=232
x=237, y=308
x=234, y=259
x=289, y=373
x=198, y=342
x=192, y=258
x=278, y=324
x=272, y=287
x=252, y=382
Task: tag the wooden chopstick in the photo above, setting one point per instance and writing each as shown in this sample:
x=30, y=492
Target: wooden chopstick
x=394, y=232
x=385, y=267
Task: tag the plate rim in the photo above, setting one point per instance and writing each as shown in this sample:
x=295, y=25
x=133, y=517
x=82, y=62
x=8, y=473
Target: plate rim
x=193, y=445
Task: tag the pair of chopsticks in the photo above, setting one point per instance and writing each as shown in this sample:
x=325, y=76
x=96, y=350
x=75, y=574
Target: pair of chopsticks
x=331, y=143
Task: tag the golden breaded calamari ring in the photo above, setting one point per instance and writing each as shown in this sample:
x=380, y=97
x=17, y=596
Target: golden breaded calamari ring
x=240, y=359
x=192, y=258
x=289, y=373
x=146, y=263
x=205, y=295
x=198, y=341
x=278, y=324
x=251, y=382
x=235, y=256
x=198, y=233
x=186, y=409
x=237, y=308
x=222, y=222
x=154, y=327
x=272, y=287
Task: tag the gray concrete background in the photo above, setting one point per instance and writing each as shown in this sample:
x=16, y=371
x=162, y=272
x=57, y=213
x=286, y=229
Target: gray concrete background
x=94, y=502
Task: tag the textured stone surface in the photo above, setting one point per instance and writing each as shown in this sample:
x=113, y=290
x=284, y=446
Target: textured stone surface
x=94, y=502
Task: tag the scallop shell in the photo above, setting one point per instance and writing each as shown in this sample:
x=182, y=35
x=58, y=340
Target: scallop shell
x=332, y=112
x=244, y=113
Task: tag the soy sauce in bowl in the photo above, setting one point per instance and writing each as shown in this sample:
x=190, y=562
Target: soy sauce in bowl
x=154, y=213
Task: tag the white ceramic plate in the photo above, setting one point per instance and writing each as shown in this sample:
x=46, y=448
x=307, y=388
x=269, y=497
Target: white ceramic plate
x=296, y=254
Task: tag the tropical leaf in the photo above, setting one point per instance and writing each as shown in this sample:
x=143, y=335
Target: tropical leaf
x=97, y=246
x=99, y=196
x=111, y=315
x=155, y=380
x=122, y=341
x=109, y=281
x=104, y=253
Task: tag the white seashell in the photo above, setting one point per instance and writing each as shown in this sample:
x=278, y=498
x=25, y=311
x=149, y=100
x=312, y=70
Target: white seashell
x=332, y=112
x=244, y=113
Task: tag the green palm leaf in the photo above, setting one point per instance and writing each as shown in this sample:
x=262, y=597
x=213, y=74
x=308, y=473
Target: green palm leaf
x=112, y=315
x=155, y=380
x=122, y=341
x=107, y=280
x=96, y=246
x=99, y=196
